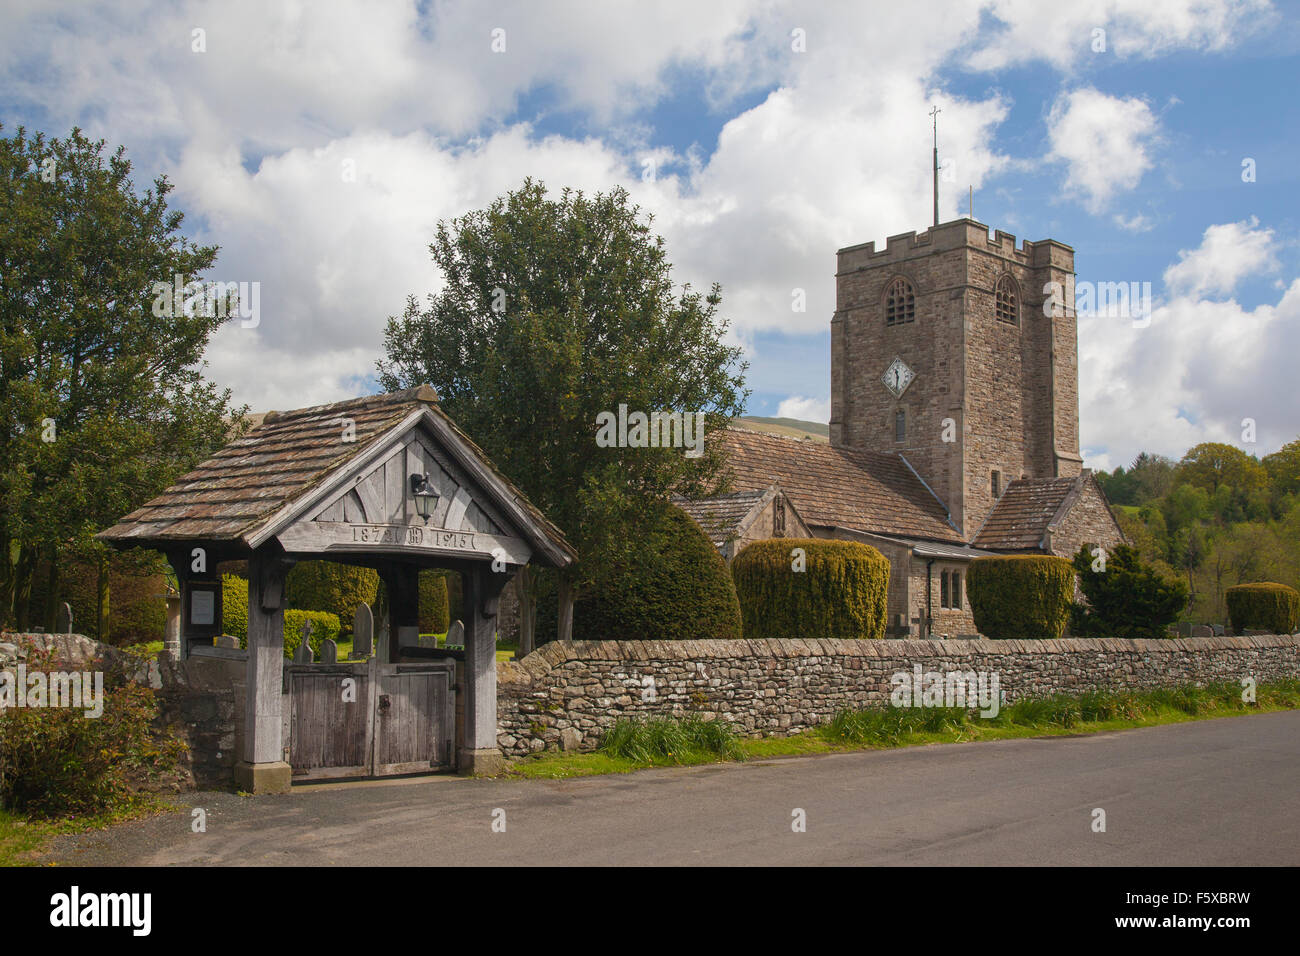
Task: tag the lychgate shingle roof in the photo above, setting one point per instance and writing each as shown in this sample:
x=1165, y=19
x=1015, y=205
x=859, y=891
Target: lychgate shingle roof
x=839, y=487
x=1022, y=515
x=253, y=480
x=253, y=477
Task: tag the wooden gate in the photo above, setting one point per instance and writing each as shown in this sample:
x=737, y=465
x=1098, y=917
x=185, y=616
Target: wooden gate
x=390, y=719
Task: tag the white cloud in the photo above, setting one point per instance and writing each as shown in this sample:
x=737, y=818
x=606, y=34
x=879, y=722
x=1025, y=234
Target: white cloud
x=1104, y=142
x=1063, y=34
x=1228, y=253
x=805, y=409
x=1198, y=368
x=254, y=133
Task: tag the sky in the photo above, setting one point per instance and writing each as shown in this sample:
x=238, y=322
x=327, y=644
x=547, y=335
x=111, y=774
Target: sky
x=319, y=144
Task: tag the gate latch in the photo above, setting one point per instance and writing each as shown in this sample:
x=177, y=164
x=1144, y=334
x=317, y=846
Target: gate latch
x=385, y=702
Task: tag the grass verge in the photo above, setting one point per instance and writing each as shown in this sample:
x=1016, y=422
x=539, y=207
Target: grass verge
x=23, y=840
x=633, y=745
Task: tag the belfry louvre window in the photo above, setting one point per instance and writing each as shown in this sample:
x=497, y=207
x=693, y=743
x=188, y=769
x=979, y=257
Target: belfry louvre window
x=1007, y=301
x=900, y=425
x=900, y=303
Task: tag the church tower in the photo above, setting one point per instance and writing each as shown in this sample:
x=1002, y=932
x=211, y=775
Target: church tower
x=960, y=352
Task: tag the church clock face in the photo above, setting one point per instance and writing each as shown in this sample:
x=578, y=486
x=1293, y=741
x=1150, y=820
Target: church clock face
x=897, y=377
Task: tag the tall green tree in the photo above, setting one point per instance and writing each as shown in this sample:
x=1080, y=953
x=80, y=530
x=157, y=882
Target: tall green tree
x=556, y=310
x=102, y=397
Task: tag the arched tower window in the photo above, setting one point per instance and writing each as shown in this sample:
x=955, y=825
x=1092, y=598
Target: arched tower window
x=900, y=302
x=1007, y=301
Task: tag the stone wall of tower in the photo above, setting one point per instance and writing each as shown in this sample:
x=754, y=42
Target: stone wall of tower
x=1009, y=391
x=862, y=410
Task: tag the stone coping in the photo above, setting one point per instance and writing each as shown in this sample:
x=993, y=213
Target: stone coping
x=556, y=653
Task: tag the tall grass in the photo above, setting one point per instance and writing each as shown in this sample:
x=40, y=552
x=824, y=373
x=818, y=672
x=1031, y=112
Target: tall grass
x=652, y=741
x=891, y=726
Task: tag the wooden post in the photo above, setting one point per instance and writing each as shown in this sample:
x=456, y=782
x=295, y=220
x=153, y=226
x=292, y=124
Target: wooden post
x=478, y=751
x=564, y=623
x=263, y=768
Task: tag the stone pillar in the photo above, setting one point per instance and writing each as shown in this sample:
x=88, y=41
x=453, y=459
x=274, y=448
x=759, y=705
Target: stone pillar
x=478, y=752
x=263, y=768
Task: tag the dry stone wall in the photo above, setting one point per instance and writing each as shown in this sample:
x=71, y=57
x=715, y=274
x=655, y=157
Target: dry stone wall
x=567, y=695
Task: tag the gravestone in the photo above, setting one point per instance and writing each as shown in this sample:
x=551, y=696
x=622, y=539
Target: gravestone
x=1218, y=630
x=1184, y=629
x=456, y=634
x=64, y=624
x=329, y=652
x=304, y=654
x=1202, y=630
x=363, y=633
x=228, y=641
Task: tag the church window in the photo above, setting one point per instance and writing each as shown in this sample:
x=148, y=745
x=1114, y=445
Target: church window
x=900, y=302
x=900, y=425
x=778, y=517
x=956, y=590
x=997, y=483
x=1007, y=301
x=943, y=589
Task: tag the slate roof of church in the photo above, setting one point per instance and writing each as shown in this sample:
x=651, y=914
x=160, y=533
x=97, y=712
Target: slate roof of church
x=253, y=478
x=839, y=487
x=721, y=517
x=1022, y=515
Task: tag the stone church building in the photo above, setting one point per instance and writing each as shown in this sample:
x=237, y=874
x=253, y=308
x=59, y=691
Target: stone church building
x=954, y=428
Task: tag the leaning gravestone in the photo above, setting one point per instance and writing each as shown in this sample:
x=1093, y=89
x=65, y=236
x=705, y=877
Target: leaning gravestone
x=64, y=624
x=329, y=652
x=228, y=641
x=304, y=655
x=363, y=632
x=456, y=635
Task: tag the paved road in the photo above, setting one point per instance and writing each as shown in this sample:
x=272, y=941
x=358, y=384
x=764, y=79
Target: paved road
x=1223, y=791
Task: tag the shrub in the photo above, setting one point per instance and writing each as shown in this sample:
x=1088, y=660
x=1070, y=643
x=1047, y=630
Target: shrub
x=55, y=761
x=234, y=619
x=1265, y=606
x=673, y=586
x=328, y=586
x=1021, y=596
x=840, y=593
x=1127, y=599
x=234, y=606
x=433, y=602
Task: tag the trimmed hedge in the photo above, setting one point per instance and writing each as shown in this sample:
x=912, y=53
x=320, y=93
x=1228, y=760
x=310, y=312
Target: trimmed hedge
x=1021, y=596
x=434, y=603
x=841, y=593
x=234, y=618
x=234, y=606
x=671, y=585
x=1265, y=606
x=328, y=586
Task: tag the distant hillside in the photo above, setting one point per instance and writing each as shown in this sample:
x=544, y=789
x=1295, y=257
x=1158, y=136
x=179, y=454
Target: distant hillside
x=790, y=427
